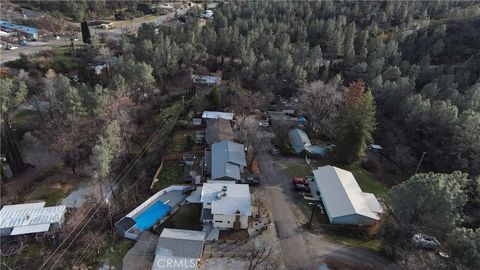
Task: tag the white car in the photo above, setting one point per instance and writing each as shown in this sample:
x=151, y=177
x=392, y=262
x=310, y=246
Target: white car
x=11, y=47
x=263, y=124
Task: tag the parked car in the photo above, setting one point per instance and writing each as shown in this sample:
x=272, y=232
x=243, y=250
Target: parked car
x=263, y=124
x=251, y=180
x=300, y=180
x=310, y=178
x=11, y=47
x=302, y=187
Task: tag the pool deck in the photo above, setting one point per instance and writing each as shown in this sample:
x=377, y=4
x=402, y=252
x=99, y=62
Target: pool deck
x=173, y=196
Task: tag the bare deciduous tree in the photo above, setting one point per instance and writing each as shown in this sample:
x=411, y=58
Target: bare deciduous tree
x=320, y=102
x=262, y=252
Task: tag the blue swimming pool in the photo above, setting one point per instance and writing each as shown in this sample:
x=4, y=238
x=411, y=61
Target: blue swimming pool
x=153, y=214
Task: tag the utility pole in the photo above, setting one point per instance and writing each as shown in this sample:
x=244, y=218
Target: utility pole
x=109, y=215
x=311, y=215
x=420, y=162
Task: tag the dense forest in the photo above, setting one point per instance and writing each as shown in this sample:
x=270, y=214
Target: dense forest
x=421, y=61
x=409, y=72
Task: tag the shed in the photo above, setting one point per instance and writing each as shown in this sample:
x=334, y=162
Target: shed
x=178, y=249
x=299, y=140
x=216, y=115
x=344, y=200
x=206, y=80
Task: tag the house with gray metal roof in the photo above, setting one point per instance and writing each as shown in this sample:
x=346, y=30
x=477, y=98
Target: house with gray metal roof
x=228, y=160
x=178, y=249
x=301, y=143
x=299, y=140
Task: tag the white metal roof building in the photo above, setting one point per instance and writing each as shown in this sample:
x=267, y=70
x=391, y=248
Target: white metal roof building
x=228, y=160
x=227, y=198
x=206, y=79
x=216, y=115
x=344, y=201
x=178, y=249
x=18, y=219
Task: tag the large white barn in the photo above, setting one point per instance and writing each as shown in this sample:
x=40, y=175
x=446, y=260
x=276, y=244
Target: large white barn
x=344, y=200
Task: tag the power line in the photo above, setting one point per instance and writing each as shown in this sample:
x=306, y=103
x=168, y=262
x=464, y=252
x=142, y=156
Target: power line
x=136, y=159
x=127, y=169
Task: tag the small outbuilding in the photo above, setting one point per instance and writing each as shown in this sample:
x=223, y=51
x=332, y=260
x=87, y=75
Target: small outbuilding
x=178, y=249
x=301, y=143
x=217, y=115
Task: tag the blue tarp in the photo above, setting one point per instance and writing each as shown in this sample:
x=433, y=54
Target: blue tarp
x=18, y=27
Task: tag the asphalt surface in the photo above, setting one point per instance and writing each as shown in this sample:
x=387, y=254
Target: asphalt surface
x=300, y=248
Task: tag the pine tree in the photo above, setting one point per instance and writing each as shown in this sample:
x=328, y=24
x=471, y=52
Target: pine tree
x=355, y=126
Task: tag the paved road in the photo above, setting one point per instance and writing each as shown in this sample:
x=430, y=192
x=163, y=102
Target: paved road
x=300, y=248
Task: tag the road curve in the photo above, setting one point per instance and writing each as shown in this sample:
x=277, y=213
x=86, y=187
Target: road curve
x=300, y=248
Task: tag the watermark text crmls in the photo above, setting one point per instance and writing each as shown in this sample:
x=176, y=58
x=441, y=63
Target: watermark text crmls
x=176, y=263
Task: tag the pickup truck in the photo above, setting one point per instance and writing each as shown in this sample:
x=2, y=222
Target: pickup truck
x=251, y=180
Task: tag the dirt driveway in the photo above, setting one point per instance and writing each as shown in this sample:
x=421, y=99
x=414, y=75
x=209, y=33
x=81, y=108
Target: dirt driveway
x=300, y=248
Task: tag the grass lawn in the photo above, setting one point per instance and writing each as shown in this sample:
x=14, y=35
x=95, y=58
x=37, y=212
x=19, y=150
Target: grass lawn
x=27, y=120
x=49, y=193
x=60, y=59
x=346, y=238
x=170, y=174
x=370, y=244
x=186, y=218
x=49, y=190
x=179, y=142
x=114, y=256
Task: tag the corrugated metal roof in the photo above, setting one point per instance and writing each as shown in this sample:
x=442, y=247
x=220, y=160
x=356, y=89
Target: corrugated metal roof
x=299, y=140
x=218, y=130
x=228, y=158
x=216, y=115
x=18, y=215
x=180, y=247
x=183, y=234
x=31, y=229
x=23, y=206
x=236, y=197
x=341, y=194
